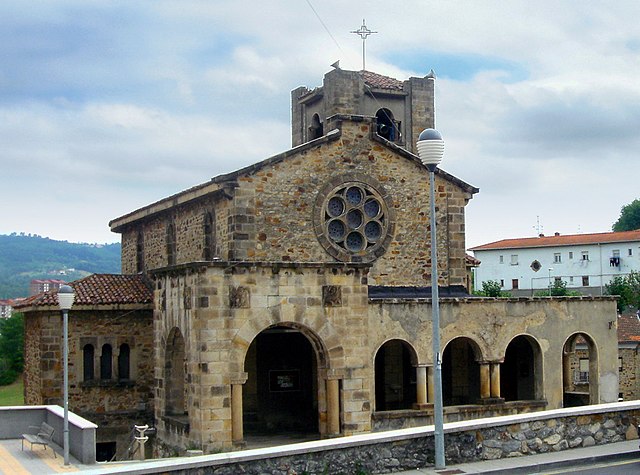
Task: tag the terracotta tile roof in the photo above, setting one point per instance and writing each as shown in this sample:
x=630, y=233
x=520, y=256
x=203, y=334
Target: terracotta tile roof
x=471, y=261
x=561, y=240
x=380, y=82
x=628, y=328
x=99, y=289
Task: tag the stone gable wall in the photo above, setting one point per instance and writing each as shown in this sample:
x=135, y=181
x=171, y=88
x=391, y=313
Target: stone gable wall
x=272, y=214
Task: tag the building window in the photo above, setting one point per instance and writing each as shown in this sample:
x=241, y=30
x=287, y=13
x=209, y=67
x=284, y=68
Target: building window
x=140, y=253
x=570, y=254
x=583, y=371
x=106, y=362
x=514, y=284
x=171, y=245
x=209, y=237
x=387, y=126
x=124, y=357
x=630, y=252
x=557, y=258
x=514, y=259
x=87, y=362
x=619, y=363
x=316, y=129
x=585, y=280
x=501, y=282
x=585, y=255
x=501, y=259
x=571, y=279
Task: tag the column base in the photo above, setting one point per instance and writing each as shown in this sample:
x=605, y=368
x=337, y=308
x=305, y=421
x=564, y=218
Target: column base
x=422, y=407
x=239, y=444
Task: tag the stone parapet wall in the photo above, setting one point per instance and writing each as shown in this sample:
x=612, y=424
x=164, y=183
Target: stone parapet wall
x=406, y=449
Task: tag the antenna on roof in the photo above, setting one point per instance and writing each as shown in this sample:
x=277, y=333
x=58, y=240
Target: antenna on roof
x=363, y=32
x=538, y=227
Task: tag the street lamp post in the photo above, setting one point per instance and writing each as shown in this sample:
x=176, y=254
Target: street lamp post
x=430, y=150
x=550, y=269
x=65, y=301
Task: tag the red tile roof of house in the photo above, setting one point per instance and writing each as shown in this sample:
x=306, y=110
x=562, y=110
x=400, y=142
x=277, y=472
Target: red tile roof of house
x=471, y=261
x=99, y=289
x=628, y=328
x=381, y=82
x=561, y=240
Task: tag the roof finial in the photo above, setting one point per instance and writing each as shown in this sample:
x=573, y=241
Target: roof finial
x=363, y=31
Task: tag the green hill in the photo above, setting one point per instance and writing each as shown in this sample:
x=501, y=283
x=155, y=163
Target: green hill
x=26, y=257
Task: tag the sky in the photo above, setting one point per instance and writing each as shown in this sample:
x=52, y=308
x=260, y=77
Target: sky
x=107, y=106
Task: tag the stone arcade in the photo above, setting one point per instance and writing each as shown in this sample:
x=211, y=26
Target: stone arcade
x=293, y=296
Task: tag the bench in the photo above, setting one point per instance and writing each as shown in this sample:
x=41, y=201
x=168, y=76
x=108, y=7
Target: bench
x=42, y=436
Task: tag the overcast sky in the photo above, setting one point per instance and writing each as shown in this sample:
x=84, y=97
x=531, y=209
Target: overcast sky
x=107, y=106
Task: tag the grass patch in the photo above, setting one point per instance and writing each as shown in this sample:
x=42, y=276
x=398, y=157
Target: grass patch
x=12, y=395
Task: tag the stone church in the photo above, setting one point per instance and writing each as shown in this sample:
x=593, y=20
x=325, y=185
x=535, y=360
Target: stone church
x=293, y=296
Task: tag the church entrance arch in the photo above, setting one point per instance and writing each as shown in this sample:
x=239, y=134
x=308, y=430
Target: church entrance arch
x=281, y=392
x=580, y=374
x=461, y=372
x=395, y=376
x=521, y=372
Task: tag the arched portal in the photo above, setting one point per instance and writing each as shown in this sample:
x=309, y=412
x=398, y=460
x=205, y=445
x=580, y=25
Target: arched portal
x=521, y=372
x=281, y=392
x=461, y=372
x=174, y=374
x=395, y=376
x=580, y=374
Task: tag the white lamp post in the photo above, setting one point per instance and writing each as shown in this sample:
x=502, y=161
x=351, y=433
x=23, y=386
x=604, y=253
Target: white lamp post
x=65, y=301
x=550, y=269
x=430, y=150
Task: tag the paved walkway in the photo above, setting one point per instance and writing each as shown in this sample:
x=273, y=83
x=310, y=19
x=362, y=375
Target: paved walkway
x=15, y=461
x=532, y=464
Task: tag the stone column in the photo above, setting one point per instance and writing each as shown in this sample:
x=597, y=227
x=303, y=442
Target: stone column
x=485, y=382
x=567, y=377
x=333, y=406
x=495, y=380
x=421, y=386
x=430, y=385
x=237, y=432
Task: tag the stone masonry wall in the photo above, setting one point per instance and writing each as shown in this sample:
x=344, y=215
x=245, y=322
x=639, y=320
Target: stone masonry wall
x=629, y=373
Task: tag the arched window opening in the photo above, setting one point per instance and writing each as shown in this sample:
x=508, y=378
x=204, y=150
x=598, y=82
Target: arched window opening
x=171, y=245
x=209, y=237
x=175, y=360
x=521, y=370
x=124, y=357
x=460, y=373
x=395, y=377
x=140, y=253
x=106, y=362
x=580, y=375
x=88, y=353
x=316, y=128
x=387, y=127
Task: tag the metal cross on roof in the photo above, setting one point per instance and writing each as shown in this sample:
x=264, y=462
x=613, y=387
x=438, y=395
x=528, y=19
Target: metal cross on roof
x=363, y=32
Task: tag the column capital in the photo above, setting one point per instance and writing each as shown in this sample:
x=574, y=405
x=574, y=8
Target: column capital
x=238, y=378
x=334, y=373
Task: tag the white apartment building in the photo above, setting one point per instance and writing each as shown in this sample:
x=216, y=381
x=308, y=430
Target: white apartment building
x=586, y=262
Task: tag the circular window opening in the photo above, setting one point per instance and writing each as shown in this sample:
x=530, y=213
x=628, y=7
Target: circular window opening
x=355, y=242
x=354, y=221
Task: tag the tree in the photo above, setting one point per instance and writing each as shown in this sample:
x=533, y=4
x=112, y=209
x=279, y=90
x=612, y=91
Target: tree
x=11, y=348
x=558, y=289
x=628, y=290
x=629, y=217
x=492, y=288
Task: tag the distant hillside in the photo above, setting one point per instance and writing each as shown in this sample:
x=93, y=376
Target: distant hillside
x=25, y=257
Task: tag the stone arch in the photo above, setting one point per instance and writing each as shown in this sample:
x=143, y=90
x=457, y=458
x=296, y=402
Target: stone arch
x=580, y=370
x=316, y=128
x=386, y=125
x=395, y=375
x=521, y=373
x=175, y=374
x=461, y=371
x=284, y=390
